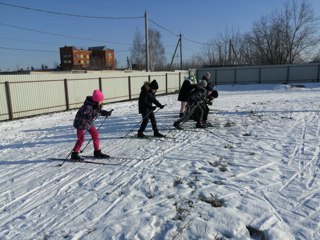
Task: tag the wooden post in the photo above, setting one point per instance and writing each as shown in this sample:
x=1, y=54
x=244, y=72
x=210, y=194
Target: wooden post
x=66, y=92
x=235, y=76
x=318, y=73
x=179, y=80
x=129, y=87
x=149, y=78
x=288, y=74
x=9, y=102
x=100, y=84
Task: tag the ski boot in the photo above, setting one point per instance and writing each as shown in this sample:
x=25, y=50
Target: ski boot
x=141, y=135
x=177, y=125
x=157, y=134
x=99, y=154
x=200, y=125
x=75, y=156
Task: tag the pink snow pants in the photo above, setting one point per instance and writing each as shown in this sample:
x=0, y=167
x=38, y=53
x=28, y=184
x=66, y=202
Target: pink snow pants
x=95, y=138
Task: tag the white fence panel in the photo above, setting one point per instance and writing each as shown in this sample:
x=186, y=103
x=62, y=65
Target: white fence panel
x=249, y=75
x=173, y=82
x=115, y=89
x=303, y=73
x=4, y=112
x=274, y=75
x=308, y=72
x=33, y=97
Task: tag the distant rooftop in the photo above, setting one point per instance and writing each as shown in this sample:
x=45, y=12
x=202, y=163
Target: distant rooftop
x=98, y=48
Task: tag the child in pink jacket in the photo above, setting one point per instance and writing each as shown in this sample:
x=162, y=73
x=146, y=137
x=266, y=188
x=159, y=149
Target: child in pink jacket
x=83, y=122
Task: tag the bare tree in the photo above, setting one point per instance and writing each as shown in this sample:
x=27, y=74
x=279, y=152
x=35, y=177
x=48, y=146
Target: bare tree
x=285, y=36
x=156, y=51
x=138, y=50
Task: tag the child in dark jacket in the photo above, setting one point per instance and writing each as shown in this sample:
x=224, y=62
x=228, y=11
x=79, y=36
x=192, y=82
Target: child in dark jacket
x=83, y=122
x=185, y=91
x=195, y=102
x=146, y=99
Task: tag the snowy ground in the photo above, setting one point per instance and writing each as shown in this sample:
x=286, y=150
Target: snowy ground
x=256, y=173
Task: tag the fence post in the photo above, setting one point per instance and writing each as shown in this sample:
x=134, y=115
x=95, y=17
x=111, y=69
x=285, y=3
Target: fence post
x=235, y=76
x=129, y=87
x=66, y=92
x=100, y=84
x=166, y=83
x=9, y=102
x=179, y=80
x=288, y=73
x=259, y=75
x=318, y=73
x=149, y=78
x=216, y=76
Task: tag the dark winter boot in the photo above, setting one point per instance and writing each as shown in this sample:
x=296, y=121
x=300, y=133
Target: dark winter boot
x=200, y=125
x=141, y=135
x=177, y=125
x=99, y=154
x=208, y=124
x=75, y=156
x=157, y=134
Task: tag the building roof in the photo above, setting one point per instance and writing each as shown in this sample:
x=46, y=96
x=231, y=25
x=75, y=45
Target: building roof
x=98, y=48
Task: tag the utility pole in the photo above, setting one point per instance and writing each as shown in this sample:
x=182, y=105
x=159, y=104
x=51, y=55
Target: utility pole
x=180, y=40
x=147, y=40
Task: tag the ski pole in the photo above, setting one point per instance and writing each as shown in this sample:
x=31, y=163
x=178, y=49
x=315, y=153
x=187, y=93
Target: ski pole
x=140, y=122
x=61, y=164
x=97, y=130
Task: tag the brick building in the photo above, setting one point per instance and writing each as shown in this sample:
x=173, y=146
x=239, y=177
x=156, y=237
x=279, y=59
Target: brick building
x=95, y=58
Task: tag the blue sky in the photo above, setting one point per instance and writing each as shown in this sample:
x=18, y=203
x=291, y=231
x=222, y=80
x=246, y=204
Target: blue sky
x=37, y=32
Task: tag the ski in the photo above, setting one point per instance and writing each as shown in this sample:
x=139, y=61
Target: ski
x=111, y=157
x=85, y=161
x=151, y=137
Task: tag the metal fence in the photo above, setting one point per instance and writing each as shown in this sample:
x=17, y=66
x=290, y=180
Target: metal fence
x=34, y=94
x=29, y=95
x=289, y=73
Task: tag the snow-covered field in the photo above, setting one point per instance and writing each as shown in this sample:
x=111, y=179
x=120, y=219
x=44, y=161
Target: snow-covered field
x=255, y=173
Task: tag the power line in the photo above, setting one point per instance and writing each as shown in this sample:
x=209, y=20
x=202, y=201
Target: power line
x=28, y=50
x=62, y=35
x=177, y=35
x=67, y=14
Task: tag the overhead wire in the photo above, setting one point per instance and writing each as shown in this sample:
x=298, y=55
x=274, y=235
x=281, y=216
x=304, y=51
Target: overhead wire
x=62, y=35
x=67, y=14
x=29, y=50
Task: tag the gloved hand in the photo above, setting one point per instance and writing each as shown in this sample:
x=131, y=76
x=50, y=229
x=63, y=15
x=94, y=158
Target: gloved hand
x=106, y=113
x=162, y=106
x=153, y=108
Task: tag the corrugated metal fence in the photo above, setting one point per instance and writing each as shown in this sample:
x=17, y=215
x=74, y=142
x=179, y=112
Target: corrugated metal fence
x=29, y=95
x=288, y=73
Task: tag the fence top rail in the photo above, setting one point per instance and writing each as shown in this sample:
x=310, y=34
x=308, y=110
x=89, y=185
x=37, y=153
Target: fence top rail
x=221, y=68
x=82, y=78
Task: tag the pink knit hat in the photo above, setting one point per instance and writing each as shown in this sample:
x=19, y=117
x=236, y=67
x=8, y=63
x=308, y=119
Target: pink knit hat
x=97, y=96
